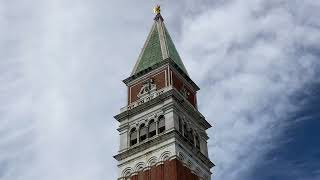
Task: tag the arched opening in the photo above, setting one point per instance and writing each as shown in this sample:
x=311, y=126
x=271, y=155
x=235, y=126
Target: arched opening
x=185, y=132
x=191, y=136
x=197, y=142
x=152, y=129
x=126, y=174
x=180, y=125
x=133, y=137
x=143, y=132
x=161, y=125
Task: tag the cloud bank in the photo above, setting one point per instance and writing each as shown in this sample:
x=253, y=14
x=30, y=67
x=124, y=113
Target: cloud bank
x=251, y=58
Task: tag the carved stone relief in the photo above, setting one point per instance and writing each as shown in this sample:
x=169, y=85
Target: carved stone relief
x=148, y=87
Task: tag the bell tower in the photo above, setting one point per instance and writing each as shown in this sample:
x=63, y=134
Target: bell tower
x=162, y=133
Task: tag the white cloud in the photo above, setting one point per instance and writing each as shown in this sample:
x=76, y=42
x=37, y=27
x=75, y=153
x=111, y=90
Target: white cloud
x=253, y=56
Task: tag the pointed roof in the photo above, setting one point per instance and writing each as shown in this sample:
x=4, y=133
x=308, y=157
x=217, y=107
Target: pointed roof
x=158, y=47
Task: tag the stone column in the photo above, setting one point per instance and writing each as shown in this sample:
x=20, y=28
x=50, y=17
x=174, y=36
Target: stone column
x=138, y=135
x=156, y=121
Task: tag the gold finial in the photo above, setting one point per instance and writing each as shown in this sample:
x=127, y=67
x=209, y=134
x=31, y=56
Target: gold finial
x=157, y=9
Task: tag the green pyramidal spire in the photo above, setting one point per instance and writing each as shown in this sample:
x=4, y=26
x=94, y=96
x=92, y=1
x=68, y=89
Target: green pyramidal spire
x=158, y=47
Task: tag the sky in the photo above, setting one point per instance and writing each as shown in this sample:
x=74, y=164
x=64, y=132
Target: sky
x=62, y=62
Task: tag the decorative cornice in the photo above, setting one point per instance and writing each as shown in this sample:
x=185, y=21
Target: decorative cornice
x=129, y=171
x=145, y=71
x=173, y=93
x=160, y=139
x=151, y=103
x=145, y=145
x=165, y=61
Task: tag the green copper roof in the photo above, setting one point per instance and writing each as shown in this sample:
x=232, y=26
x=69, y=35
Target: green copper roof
x=158, y=46
x=151, y=54
x=173, y=53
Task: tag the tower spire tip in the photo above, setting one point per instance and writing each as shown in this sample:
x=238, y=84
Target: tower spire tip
x=157, y=9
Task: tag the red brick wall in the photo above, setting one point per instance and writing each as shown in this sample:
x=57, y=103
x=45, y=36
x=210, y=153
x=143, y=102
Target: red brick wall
x=134, y=90
x=170, y=170
x=178, y=84
x=160, y=80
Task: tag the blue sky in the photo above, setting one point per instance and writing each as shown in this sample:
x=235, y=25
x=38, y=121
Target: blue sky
x=297, y=154
x=62, y=62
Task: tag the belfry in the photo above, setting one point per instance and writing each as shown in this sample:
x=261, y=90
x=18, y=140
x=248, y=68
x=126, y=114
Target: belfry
x=162, y=133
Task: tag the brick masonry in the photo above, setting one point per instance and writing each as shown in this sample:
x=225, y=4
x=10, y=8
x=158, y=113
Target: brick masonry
x=134, y=90
x=160, y=81
x=169, y=170
x=178, y=84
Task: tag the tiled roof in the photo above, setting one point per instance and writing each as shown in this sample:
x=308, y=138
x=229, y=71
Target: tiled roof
x=158, y=46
